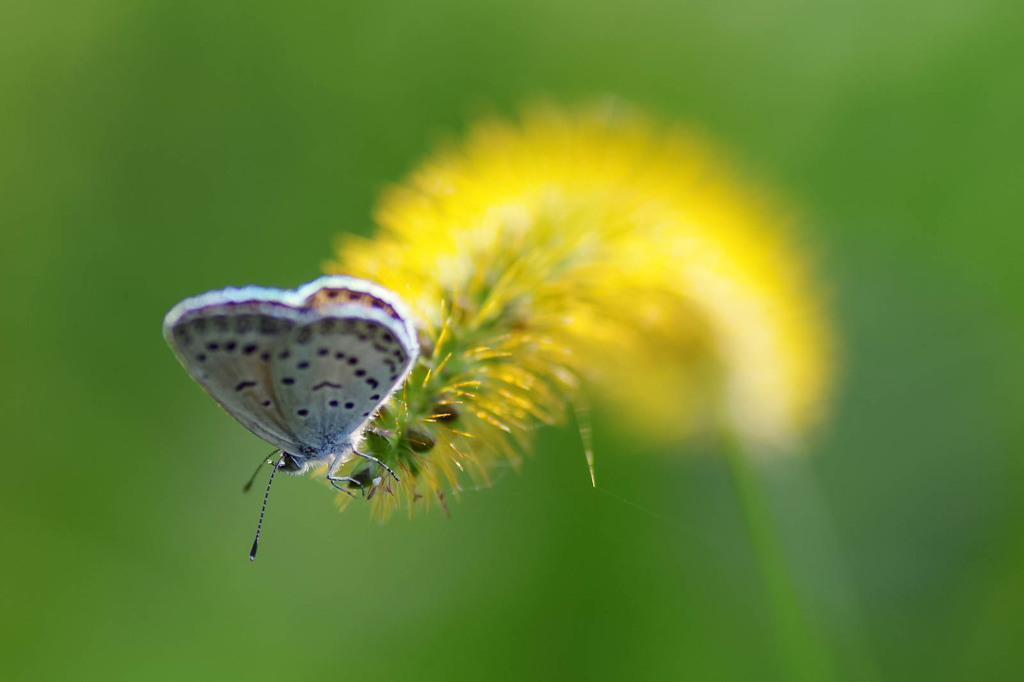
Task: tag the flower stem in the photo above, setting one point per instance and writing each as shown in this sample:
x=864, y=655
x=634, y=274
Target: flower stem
x=804, y=655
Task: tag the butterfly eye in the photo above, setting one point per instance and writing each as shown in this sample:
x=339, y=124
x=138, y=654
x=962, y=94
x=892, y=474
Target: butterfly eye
x=292, y=463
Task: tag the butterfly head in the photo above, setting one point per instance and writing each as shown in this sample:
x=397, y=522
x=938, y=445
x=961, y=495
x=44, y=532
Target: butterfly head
x=299, y=464
x=293, y=464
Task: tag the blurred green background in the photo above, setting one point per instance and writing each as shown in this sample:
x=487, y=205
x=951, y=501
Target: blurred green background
x=149, y=151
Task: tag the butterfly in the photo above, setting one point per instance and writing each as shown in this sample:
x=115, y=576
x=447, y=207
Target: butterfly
x=304, y=369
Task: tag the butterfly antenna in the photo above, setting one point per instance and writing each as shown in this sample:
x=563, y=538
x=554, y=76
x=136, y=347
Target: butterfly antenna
x=265, y=460
x=259, y=524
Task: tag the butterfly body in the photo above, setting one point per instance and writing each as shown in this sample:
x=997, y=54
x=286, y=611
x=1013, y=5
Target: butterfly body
x=303, y=369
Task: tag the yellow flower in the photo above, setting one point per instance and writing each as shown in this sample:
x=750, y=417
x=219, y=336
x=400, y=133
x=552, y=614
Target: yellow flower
x=587, y=248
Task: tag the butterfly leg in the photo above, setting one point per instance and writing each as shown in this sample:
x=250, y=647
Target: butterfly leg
x=344, y=489
x=336, y=480
x=374, y=459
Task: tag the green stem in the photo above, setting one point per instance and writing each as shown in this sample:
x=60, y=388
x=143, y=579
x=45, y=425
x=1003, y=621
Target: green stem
x=804, y=655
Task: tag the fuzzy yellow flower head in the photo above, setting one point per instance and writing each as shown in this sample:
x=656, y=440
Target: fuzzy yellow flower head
x=589, y=248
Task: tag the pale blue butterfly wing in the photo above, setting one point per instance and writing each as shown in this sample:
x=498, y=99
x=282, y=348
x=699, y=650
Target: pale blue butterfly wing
x=227, y=340
x=303, y=369
x=331, y=375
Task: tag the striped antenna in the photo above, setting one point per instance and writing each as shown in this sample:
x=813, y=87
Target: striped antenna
x=265, y=460
x=259, y=524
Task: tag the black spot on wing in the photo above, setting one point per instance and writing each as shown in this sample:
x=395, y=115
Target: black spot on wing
x=326, y=384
